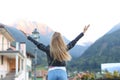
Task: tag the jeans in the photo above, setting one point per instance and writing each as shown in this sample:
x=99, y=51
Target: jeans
x=57, y=74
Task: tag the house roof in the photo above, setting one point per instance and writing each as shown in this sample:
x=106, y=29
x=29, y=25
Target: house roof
x=18, y=36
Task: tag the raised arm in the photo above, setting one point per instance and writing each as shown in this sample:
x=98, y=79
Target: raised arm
x=74, y=41
x=39, y=45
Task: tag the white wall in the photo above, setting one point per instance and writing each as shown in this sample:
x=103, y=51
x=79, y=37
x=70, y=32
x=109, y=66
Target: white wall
x=5, y=42
x=4, y=68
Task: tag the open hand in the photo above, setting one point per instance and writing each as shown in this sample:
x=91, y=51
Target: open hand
x=85, y=28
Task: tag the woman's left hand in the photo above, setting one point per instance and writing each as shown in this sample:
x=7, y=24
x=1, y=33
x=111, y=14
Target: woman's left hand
x=85, y=28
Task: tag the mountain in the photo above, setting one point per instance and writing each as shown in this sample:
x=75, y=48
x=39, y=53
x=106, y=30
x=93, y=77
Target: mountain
x=105, y=50
x=116, y=27
x=45, y=34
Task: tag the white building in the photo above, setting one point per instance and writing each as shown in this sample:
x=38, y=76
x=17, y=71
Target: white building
x=111, y=67
x=15, y=57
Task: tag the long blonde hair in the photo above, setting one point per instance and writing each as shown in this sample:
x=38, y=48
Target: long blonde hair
x=58, y=49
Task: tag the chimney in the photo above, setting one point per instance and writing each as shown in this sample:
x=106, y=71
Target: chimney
x=17, y=46
x=23, y=48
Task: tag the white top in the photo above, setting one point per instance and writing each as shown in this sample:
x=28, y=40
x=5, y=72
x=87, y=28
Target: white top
x=53, y=68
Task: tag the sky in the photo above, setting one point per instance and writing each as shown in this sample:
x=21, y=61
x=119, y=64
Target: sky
x=66, y=16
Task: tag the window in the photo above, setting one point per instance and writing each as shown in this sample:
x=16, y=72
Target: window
x=8, y=44
x=22, y=64
x=2, y=58
x=2, y=42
